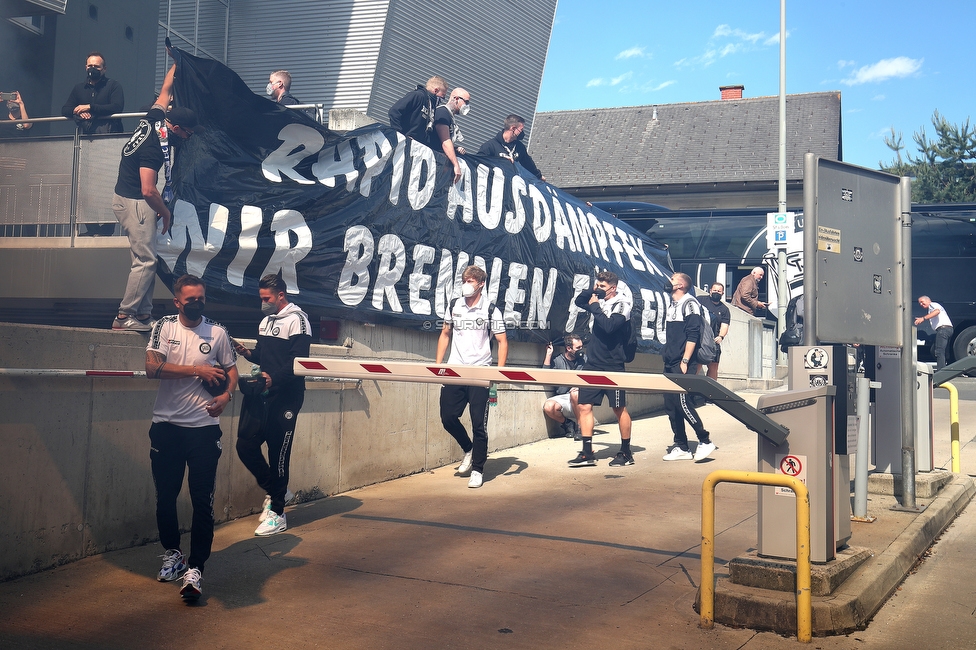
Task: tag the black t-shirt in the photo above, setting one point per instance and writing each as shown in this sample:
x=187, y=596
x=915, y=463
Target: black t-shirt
x=441, y=116
x=142, y=150
x=718, y=313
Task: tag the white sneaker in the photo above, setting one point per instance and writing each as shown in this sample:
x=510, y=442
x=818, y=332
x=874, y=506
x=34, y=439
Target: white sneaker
x=704, y=450
x=266, y=507
x=464, y=469
x=273, y=525
x=476, y=480
x=191, y=589
x=678, y=454
x=173, y=565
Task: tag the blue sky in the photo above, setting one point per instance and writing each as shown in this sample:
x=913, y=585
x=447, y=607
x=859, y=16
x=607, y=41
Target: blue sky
x=894, y=62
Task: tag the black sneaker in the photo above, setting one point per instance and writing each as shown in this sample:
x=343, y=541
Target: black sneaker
x=583, y=460
x=567, y=428
x=622, y=459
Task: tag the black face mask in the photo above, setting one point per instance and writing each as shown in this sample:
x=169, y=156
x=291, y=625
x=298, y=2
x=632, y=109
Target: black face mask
x=716, y=297
x=194, y=310
x=600, y=293
x=94, y=74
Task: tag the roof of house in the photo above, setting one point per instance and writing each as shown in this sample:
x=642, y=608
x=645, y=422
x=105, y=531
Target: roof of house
x=696, y=142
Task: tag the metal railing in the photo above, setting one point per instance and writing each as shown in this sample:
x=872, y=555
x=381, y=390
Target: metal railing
x=139, y=374
x=953, y=424
x=804, y=604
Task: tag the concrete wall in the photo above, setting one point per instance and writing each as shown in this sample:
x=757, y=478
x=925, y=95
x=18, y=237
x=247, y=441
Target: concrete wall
x=76, y=479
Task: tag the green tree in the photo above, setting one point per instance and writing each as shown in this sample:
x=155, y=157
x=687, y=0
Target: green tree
x=945, y=169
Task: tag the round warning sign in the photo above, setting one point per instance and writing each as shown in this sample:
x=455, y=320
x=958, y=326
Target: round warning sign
x=791, y=466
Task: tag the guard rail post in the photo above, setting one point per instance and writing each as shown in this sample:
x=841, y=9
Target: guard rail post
x=804, y=605
x=953, y=423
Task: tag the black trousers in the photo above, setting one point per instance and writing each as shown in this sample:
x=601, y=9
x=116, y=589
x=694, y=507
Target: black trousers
x=679, y=408
x=269, y=420
x=173, y=450
x=453, y=401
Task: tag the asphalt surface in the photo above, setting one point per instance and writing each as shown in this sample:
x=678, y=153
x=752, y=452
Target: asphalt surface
x=542, y=556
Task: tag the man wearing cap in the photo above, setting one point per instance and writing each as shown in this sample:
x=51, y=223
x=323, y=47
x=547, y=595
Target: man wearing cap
x=137, y=203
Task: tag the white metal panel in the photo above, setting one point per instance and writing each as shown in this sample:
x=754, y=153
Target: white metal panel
x=329, y=47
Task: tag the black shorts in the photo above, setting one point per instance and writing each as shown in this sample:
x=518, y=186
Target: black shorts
x=594, y=396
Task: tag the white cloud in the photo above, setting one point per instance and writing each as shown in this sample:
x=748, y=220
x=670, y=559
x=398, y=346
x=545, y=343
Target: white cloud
x=883, y=70
x=724, y=30
x=844, y=64
x=631, y=53
x=596, y=82
x=662, y=86
x=616, y=81
x=774, y=39
x=726, y=41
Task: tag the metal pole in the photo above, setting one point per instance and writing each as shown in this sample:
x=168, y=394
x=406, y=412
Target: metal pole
x=809, y=249
x=861, y=462
x=908, y=379
x=781, y=205
x=75, y=173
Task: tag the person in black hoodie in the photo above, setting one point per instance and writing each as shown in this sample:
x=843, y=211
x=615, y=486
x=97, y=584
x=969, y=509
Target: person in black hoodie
x=683, y=329
x=270, y=417
x=413, y=115
x=610, y=310
x=508, y=145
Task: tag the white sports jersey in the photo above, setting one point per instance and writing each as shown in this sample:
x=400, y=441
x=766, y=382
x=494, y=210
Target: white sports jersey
x=471, y=331
x=182, y=401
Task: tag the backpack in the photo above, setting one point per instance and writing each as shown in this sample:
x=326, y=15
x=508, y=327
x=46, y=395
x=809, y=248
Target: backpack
x=706, y=350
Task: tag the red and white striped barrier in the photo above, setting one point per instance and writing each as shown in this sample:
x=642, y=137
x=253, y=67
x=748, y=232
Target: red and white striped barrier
x=53, y=372
x=433, y=373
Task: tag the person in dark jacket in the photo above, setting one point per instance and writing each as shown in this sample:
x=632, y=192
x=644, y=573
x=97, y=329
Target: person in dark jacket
x=683, y=329
x=413, y=114
x=95, y=98
x=508, y=145
x=610, y=311
x=279, y=89
x=720, y=318
x=270, y=417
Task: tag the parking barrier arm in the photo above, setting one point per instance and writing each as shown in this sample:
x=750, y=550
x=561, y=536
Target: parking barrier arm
x=804, y=604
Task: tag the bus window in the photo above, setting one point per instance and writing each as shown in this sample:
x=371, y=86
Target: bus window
x=943, y=238
x=682, y=236
x=730, y=239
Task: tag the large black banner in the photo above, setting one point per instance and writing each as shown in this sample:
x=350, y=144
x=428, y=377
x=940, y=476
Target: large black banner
x=369, y=226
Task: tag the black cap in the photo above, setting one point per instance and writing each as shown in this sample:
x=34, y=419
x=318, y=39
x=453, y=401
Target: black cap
x=182, y=116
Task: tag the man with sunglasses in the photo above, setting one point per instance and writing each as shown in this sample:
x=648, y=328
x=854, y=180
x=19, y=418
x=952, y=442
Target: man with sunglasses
x=138, y=204
x=446, y=133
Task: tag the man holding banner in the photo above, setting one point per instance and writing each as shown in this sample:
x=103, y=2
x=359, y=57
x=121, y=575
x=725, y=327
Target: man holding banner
x=469, y=325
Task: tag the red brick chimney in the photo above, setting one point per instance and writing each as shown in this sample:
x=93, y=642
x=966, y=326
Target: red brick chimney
x=731, y=92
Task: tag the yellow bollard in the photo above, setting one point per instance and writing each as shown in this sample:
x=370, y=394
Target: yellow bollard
x=953, y=423
x=804, y=602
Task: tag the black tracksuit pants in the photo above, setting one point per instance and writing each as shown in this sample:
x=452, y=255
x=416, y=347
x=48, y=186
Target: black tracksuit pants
x=269, y=420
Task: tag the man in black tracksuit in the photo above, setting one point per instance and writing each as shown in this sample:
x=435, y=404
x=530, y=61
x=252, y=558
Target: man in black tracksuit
x=283, y=334
x=413, y=114
x=508, y=145
x=684, y=328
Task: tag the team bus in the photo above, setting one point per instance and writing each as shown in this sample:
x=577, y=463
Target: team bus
x=724, y=245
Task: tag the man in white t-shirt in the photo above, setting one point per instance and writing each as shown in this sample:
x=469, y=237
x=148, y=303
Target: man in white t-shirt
x=941, y=325
x=470, y=323
x=194, y=359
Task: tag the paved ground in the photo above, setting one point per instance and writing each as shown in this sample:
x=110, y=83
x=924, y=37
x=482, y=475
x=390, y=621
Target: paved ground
x=542, y=556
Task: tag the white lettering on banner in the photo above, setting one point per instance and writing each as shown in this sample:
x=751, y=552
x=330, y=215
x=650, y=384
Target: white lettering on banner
x=490, y=210
x=286, y=257
x=420, y=281
x=378, y=150
x=614, y=244
x=460, y=195
x=515, y=221
x=541, y=295
x=399, y=154
x=421, y=158
x=630, y=250
x=652, y=319
x=600, y=237
x=337, y=161
x=515, y=294
x=354, y=277
x=247, y=244
x=186, y=226
x=541, y=217
x=298, y=142
x=393, y=259
x=561, y=228
x=580, y=284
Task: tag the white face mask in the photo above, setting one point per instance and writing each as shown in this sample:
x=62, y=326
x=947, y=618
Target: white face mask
x=468, y=289
x=269, y=89
x=465, y=109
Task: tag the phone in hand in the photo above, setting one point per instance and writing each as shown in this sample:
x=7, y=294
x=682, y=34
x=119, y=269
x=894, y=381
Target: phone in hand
x=8, y=97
